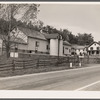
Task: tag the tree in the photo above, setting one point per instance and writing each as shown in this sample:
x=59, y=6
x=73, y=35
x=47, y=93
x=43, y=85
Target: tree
x=85, y=39
x=65, y=34
x=8, y=13
x=72, y=38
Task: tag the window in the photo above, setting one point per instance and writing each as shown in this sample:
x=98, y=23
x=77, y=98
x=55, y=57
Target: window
x=36, y=51
x=91, y=48
x=92, y=52
x=97, y=48
x=37, y=44
x=29, y=51
x=97, y=52
x=69, y=50
x=47, y=47
x=16, y=49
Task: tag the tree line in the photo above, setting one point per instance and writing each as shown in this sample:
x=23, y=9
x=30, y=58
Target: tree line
x=79, y=39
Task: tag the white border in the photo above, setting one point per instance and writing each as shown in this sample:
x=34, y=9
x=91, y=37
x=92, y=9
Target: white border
x=50, y=94
x=37, y=2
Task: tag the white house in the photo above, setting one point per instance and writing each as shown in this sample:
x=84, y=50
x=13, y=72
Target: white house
x=79, y=50
x=93, y=49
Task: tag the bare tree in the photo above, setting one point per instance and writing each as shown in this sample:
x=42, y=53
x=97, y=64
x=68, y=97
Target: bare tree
x=8, y=14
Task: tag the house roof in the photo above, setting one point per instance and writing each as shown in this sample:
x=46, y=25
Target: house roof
x=66, y=43
x=32, y=33
x=93, y=43
x=51, y=36
x=78, y=46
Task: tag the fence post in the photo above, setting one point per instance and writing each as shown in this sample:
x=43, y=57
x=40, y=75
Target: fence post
x=37, y=63
x=74, y=61
x=23, y=64
x=44, y=63
x=88, y=59
x=13, y=65
x=71, y=64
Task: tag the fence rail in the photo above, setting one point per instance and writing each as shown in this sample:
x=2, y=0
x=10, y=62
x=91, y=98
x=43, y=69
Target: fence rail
x=19, y=64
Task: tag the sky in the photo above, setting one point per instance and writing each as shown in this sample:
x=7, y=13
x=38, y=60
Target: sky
x=77, y=18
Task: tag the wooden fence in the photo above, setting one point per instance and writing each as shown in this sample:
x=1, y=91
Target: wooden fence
x=41, y=62
x=19, y=64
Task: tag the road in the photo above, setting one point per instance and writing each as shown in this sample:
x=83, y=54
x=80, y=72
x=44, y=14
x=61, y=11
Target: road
x=80, y=79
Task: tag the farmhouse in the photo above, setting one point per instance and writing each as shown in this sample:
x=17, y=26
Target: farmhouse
x=31, y=41
x=93, y=49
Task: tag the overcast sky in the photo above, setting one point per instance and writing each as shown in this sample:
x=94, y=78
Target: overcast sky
x=75, y=17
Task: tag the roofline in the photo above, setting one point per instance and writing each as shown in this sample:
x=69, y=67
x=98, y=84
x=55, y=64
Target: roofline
x=33, y=30
x=67, y=44
x=37, y=38
x=92, y=43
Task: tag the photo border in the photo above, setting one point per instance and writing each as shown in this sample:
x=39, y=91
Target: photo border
x=3, y=97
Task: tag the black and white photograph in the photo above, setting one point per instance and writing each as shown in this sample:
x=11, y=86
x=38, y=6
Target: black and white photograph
x=50, y=46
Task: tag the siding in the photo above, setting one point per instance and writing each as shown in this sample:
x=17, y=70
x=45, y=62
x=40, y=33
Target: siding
x=22, y=46
x=42, y=44
x=67, y=49
x=94, y=46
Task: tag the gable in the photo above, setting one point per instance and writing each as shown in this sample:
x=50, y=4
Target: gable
x=94, y=46
x=19, y=35
x=66, y=43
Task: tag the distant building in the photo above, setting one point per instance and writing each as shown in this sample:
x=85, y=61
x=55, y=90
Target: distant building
x=93, y=49
x=66, y=48
x=79, y=50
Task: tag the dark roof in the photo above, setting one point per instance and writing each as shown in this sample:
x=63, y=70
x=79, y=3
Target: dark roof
x=32, y=33
x=51, y=36
x=93, y=43
x=78, y=46
x=66, y=43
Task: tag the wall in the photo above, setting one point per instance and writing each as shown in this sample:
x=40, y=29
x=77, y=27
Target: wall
x=54, y=47
x=67, y=50
x=42, y=45
x=61, y=48
x=94, y=46
x=19, y=34
x=23, y=46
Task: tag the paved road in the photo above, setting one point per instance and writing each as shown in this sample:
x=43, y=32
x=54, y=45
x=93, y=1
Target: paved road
x=82, y=79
